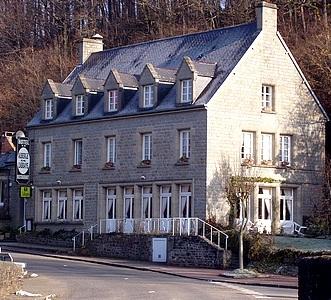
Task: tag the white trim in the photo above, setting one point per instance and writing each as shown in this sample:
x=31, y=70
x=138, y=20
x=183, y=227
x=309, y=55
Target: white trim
x=146, y=202
x=111, y=149
x=185, y=143
x=146, y=146
x=130, y=198
x=63, y=199
x=79, y=105
x=167, y=197
x=47, y=200
x=148, y=95
x=111, y=197
x=49, y=109
x=47, y=161
x=80, y=200
x=78, y=152
x=112, y=100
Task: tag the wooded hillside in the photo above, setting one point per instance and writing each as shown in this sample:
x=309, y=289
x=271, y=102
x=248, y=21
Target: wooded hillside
x=38, y=38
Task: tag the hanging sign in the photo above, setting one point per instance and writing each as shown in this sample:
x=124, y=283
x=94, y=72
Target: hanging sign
x=22, y=160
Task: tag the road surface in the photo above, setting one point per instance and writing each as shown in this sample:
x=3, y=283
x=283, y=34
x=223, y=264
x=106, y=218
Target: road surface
x=80, y=280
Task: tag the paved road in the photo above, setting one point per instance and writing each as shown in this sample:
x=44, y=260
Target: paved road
x=80, y=280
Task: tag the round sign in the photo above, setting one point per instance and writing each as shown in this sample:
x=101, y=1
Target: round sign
x=23, y=160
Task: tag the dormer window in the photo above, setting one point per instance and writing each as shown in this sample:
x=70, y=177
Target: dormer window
x=186, y=91
x=80, y=105
x=112, y=100
x=49, y=109
x=148, y=96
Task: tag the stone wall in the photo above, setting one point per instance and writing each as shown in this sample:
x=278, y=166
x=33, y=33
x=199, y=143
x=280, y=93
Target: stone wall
x=190, y=251
x=44, y=240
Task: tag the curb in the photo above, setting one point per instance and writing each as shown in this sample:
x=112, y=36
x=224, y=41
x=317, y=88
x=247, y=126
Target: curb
x=119, y=265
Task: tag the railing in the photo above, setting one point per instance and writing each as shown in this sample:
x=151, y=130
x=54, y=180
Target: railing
x=91, y=230
x=22, y=228
x=75, y=239
x=174, y=226
x=298, y=228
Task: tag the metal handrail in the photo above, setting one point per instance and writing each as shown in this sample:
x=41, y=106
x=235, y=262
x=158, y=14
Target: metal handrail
x=180, y=226
x=74, y=240
x=22, y=227
x=91, y=229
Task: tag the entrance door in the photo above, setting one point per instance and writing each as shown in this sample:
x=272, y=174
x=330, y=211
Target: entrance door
x=286, y=210
x=185, y=207
x=264, y=210
x=128, y=223
x=111, y=210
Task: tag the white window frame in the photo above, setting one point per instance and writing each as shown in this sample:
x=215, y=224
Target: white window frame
x=248, y=208
x=185, y=143
x=186, y=90
x=147, y=146
x=128, y=200
x=148, y=96
x=111, y=149
x=165, y=202
x=187, y=197
x=49, y=109
x=112, y=100
x=78, y=152
x=47, y=155
x=265, y=197
x=284, y=199
x=266, y=146
x=63, y=199
x=267, y=97
x=111, y=199
x=48, y=201
x=78, y=199
x=80, y=105
x=285, y=149
x=146, y=202
x=247, y=146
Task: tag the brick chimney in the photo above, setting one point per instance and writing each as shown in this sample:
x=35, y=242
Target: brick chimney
x=89, y=46
x=266, y=16
x=6, y=142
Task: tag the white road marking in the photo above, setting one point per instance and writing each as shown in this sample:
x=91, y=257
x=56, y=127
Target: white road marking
x=257, y=295
x=151, y=292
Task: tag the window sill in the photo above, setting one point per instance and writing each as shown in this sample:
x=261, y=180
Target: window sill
x=182, y=163
x=75, y=170
x=180, y=104
x=44, y=171
x=109, y=168
x=268, y=111
x=144, y=165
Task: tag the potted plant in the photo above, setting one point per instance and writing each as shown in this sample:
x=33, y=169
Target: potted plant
x=109, y=165
x=46, y=168
x=146, y=162
x=77, y=167
x=247, y=162
x=183, y=159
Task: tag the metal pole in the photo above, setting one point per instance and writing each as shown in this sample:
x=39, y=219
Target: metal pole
x=83, y=238
x=204, y=229
x=211, y=234
x=74, y=246
x=226, y=243
x=218, y=239
x=100, y=226
x=196, y=226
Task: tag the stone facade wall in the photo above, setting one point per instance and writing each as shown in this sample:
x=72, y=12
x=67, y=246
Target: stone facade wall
x=46, y=241
x=94, y=178
x=236, y=107
x=181, y=251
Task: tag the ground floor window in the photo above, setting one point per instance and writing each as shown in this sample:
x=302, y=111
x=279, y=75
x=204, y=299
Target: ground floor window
x=62, y=204
x=128, y=202
x=185, y=199
x=111, y=203
x=146, y=202
x=286, y=204
x=2, y=193
x=47, y=205
x=240, y=213
x=264, y=203
x=78, y=198
x=165, y=201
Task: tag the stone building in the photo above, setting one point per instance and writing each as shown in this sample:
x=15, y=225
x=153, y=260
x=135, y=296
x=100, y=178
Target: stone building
x=151, y=130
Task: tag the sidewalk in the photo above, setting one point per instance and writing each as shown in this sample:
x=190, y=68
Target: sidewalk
x=193, y=273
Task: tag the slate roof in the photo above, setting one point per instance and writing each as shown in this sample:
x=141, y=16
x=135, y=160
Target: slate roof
x=64, y=90
x=92, y=84
x=7, y=159
x=214, y=53
x=168, y=75
x=127, y=80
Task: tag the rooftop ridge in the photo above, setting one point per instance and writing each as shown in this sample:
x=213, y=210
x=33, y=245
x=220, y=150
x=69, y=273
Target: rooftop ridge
x=172, y=37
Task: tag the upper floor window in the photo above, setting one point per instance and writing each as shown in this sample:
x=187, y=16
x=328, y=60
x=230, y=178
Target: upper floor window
x=247, y=150
x=148, y=95
x=80, y=105
x=113, y=100
x=49, y=109
x=78, y=198
x=266, y=147
x=47, y=155
x=285, y=149
x=267, y=97
x=78, y=152
x=111, y=149
x=186, y=90
x=147, y=146
x=185, y=143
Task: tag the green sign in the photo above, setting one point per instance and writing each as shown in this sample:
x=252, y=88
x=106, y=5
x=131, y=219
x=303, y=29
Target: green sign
x=25, y=191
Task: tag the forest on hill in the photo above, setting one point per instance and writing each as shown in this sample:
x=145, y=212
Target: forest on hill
x=38, y=38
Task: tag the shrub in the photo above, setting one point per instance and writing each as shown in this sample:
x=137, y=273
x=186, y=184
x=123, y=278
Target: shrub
x=10, y=279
